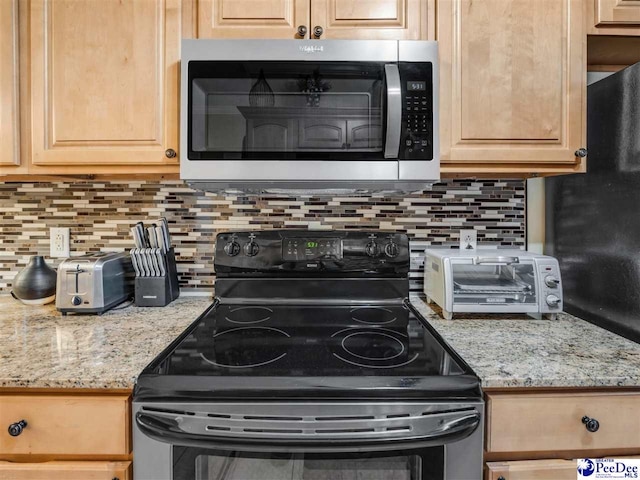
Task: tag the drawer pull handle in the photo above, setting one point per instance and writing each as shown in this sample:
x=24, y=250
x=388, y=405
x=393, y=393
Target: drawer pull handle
x=591, y=423
x=15, y=429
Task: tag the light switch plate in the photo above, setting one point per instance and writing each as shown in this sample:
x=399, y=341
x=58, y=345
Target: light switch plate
x=468, y=239
x=59, y=242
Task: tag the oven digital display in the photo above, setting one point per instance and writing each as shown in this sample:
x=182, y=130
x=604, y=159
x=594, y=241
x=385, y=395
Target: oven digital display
x=302, y=249
x=416, y=86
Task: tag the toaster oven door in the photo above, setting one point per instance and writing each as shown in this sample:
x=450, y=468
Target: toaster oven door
x=495, y=281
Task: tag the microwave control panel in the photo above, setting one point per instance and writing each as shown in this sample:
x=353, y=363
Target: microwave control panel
x=416, y=140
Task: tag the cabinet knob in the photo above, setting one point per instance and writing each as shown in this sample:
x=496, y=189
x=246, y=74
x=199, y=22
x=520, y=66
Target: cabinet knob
x=302, y=31
x=581, y=152
x=591, y=423
x=317, y=31
x=170, y=153
x=15, y=429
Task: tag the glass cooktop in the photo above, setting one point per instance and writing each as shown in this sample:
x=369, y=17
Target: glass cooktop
x=292, y=349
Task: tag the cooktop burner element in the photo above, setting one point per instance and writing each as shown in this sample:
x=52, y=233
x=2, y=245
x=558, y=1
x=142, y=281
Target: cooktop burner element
x=246, y=347
x=372, y=345
x=373, y=315
x=248, y=315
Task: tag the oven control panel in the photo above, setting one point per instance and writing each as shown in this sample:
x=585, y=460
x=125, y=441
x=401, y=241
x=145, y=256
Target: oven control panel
x=302, y=250
x=311, y=248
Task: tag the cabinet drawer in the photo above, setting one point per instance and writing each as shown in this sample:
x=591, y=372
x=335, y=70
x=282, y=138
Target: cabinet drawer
x=66, y=471
x=532, y=469
x=66, y=425
x=553, y=422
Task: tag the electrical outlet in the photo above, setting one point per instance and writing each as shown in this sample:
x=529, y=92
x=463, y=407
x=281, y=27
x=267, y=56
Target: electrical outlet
x=468, y=239
x=59, y=242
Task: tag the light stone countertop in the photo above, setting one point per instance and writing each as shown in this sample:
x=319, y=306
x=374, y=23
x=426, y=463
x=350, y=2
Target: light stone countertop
x=519, y=351
x=39, y=348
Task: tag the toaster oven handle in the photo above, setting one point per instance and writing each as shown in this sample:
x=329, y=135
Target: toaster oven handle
x=394, y=111
x=494, y=260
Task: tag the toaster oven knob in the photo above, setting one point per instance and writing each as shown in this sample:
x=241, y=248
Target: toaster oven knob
x=551, y=281
x=391, y=250
x=76, y=300
x=371, y=249
x=232, y=248
x=553, y=300
x=251, y=249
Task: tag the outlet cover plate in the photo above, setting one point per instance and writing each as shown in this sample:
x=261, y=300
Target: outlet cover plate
x=59, y=242
x=468, y=239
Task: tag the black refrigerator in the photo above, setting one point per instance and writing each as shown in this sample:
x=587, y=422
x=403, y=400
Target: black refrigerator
x=593, y=219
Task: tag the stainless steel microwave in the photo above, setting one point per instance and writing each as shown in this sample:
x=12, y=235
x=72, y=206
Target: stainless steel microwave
x=355, y=115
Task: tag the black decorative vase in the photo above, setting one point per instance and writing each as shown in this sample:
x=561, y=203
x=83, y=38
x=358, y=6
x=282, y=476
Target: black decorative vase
x=261, y=94
x=36, y=283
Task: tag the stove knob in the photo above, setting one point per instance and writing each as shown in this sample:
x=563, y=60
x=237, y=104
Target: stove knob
x=251, y=249
x=391, y=250
x=551, y=281
x=232, y=248
x=76, y=300
x=553, y=300
x=371, y=248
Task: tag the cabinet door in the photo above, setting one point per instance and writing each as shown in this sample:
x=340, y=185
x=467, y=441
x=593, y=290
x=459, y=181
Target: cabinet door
x=532, y=470
x=513, y=84
x=104, y=83
x=66, y=471
x=374, y=19
x=322, y=133
x=270, y=134
x=252, y=18
x=617, y=12
x=9, y=127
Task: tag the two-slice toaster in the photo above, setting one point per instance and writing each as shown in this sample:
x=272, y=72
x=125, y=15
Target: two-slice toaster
x=94, y=283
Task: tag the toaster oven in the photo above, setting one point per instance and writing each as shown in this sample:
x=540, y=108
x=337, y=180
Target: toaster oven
x=492, y=281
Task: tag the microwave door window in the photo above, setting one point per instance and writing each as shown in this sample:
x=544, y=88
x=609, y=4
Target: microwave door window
x=264, y=110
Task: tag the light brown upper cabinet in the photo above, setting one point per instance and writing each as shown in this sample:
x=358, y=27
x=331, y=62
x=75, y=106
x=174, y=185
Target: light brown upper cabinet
x=9, y=87
x=104, y=86
x=252, y=18
x=617, y=12
x=371, y=19
x=513, y=85
x=337, y=19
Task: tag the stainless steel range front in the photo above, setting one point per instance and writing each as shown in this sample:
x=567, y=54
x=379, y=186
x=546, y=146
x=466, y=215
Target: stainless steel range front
x=310, y=364
x=343, y=114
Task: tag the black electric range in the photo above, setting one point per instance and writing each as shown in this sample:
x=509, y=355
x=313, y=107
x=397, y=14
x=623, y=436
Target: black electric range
x=308, y=330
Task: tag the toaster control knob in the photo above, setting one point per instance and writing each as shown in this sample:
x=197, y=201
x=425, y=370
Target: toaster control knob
x=251, y=249
x=391, y=250
x=232, y=248
x=76, y=300
x=553, y=300
x=551, y=281
x=371, y=249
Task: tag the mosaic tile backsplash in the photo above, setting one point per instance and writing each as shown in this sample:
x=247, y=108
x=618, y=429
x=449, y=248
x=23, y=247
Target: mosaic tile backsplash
x=101, y=214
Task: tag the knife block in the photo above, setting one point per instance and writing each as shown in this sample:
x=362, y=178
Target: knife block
x=159, y=291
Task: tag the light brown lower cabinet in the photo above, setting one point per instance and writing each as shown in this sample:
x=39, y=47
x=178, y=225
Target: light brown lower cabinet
x=66, y=471
x=531, y=470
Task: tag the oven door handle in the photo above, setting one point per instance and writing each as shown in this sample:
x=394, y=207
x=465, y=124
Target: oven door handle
x=168, y=430
x=394, y=111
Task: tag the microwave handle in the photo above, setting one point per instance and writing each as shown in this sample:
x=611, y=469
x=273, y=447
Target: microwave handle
x=394, y=111
x=494, y=260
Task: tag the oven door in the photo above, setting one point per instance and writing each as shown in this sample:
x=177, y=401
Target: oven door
x=205, y=464
x=313, y=111
x=307, y=441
